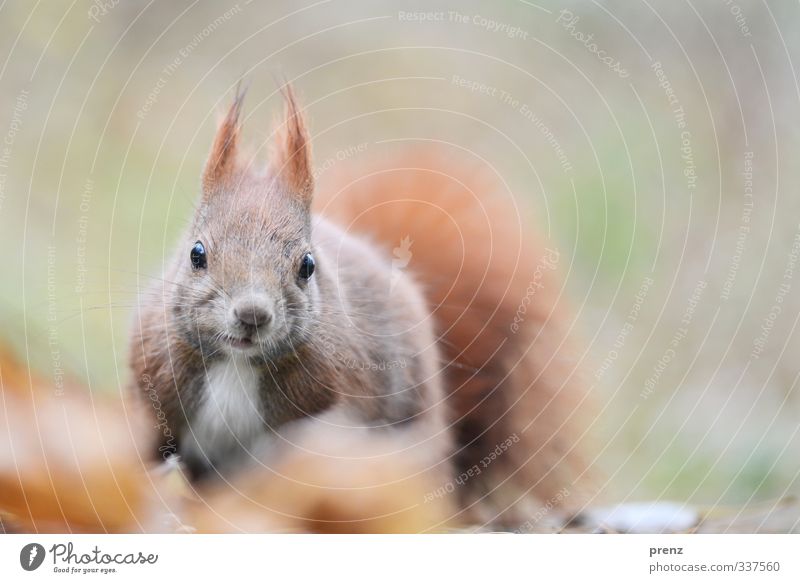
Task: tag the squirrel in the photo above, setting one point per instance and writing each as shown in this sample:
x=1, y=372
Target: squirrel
x=409, y=293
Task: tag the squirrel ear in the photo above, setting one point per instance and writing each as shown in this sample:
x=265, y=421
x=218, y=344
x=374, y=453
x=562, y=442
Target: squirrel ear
x=222, y=160
x=291, y=159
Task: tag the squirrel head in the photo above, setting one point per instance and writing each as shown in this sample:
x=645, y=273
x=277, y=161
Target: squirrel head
x=245, y=272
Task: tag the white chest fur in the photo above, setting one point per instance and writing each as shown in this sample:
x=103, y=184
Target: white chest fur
x=229, y=416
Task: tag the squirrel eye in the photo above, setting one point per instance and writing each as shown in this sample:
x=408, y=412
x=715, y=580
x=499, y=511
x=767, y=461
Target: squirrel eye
x=307, y=266
x=198, y=256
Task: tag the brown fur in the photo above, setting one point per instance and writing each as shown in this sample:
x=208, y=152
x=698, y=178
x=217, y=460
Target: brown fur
x=346, y=339
x=473, y=250
x=461, y=302
x=292, y=161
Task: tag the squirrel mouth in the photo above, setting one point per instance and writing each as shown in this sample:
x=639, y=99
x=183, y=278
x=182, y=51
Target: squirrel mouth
x=238, y=342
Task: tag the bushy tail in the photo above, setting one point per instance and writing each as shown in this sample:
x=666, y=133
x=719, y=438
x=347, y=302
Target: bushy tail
x=514, y=394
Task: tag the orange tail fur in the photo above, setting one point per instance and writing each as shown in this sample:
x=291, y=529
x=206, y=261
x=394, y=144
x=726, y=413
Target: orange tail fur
x=513, y=391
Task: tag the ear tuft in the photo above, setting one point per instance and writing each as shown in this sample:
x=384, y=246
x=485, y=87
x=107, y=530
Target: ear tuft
x=291, y=161
x=222, y=160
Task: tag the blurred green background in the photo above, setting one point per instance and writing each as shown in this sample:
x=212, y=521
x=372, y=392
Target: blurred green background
x=655, y=143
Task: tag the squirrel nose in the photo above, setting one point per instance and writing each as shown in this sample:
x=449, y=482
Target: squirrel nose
x=253, y=312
